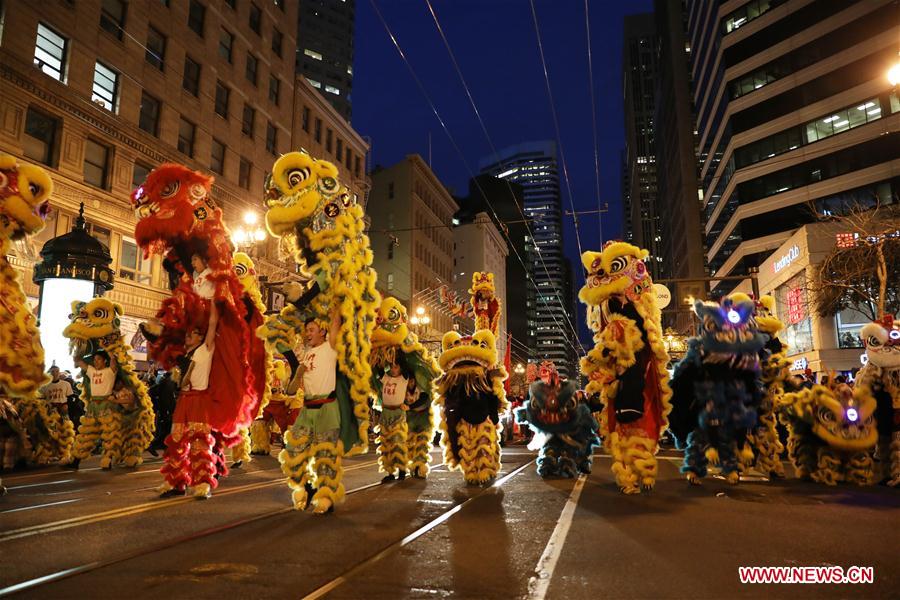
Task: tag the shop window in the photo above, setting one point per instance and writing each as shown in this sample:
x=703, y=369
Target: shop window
x=848, y=324
x=132, y=264
x=51, y=52
x=39, y=142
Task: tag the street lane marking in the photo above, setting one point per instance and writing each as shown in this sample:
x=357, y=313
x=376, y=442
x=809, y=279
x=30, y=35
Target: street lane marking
x=331, y=585
x=93, y=566
x=66, y=470
x=126, y=511
x=31, y=485
x=540, y=582
x=34, y=506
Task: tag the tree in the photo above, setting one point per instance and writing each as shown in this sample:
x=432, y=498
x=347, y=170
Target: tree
x=862, y=271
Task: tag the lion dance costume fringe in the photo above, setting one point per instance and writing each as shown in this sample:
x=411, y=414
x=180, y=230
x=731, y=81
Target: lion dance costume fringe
x=177, y=219
x=627, y=366
x=321, y=225
x=123, y=432
x=404, y=444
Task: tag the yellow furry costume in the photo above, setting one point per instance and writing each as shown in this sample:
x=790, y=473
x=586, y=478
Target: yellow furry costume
x=256, y=309
x=471, y=398
x=124, y=432
x=485, y=304
x=24, y=204
x=627, y=366
x=321, y=224
x=404, y=444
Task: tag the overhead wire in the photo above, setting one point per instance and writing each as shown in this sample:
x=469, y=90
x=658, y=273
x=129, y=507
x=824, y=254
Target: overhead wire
x=587, y=26
x=499, y=161
x=456, y=147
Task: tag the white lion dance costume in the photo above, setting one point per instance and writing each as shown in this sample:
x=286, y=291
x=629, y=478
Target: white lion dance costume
x=24, y=204
x=124, y=431
x=627, y=365
x=881, y=374
x=322, y=227
x=404, y=435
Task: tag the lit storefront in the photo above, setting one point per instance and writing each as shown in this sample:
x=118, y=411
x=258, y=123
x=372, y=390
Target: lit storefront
x=818, y=343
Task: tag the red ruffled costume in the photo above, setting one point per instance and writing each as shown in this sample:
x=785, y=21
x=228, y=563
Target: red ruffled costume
x=177, y=218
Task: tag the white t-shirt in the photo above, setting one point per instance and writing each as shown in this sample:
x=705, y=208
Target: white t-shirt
x=56, y=392
x=321, y=364
x=393, y=390
x=102, y=381
x=202, y=284
x=198, y=372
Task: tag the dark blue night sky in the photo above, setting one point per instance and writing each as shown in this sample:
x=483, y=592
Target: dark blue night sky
x=495, y=44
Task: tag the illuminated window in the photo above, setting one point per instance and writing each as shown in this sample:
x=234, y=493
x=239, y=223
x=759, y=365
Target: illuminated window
x=50, y=52
x=312, y=54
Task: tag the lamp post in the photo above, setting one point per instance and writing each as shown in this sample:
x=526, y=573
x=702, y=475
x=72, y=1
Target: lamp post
x=518, y=382
x=74, y=266
x=250, y=233
x=893, y=73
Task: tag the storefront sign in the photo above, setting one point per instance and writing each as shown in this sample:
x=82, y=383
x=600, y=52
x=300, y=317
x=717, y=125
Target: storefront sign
x=800, y=364
x=792, y=254
x=795, y=306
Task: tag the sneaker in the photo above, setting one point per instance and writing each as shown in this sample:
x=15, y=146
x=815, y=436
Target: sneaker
x=401, y=475
x=388, y=478
x=202, y=491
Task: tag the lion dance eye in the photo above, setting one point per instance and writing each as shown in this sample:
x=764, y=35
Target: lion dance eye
x=873, y=341
x=198, y=192
x=241, y=270
x=100, y=313
x=297, y=176
x=35, y=189
x=618, y=263
x=393, y=314
x=170, y=189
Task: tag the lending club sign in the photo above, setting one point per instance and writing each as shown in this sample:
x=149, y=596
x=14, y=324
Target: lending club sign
x=790, y=256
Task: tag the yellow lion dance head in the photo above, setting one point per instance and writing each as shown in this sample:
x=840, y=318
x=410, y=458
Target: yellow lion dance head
x=391, y=327
x=618, y=269
x=482, y=284
x=476, y=350
x=94, y=320
x=295, y=189
x=24, y=198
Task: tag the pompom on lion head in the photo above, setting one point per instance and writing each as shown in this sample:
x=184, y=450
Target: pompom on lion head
x=391, y=327
x=882, y=340
x=765, y=316
x=169, y=204
x=298, y=186
x=618, y=269
x=482, y=285
x=478, y=350
x=24, y=197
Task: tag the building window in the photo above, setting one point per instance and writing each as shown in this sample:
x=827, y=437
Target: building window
x=390, y=281
x=226, y=44
x=106, y=87
x=196, y=17
x=186, y=131
x=314, y=83
x=356, y=167
x=271, y=137
x=149, y=117
x=247, y=120
x=332, y=90
x=191, y=79
x=348, y=158
x=255, y=18
x=244, y=174
x=328, y=140
x=252, y=68
x=232, y=4
x=132, y=264
x=156, y=48
x=222, y=93
x=217, y=157
x=745, y=14
x=317, y=132
x=304, y=119
x=312, y=54
x=50, y=52
x=274, y=87
x=101, y=234
x=112, y=17
x=842, y=120
x=39, y=142
x=339, y=153
x=96, y=163
x=390, y=251
x=277, y=40
x=139, y=174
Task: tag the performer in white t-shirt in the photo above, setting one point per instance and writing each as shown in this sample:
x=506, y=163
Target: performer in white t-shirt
x=392, y=429
x=203, y=286
x=99, y=379
x=57, y=393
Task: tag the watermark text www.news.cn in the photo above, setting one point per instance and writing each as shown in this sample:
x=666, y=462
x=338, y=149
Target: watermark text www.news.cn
x=827, y=574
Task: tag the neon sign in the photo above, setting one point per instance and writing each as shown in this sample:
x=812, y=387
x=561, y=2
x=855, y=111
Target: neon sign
x=792, y=254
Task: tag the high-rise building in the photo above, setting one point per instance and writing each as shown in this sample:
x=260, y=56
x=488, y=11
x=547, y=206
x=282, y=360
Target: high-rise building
x=412, y=237
x=499, y=200
x=325, y=49
x=640, y=70
x=678, y=207
x=625, y=187
x=795, y=117
x=101, y=93
x=533, y=166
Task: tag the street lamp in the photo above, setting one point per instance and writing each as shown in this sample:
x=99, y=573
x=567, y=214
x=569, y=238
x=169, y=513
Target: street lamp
x=74, y=266
x=420, y=318
x=250, y=233
x=893, y=73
